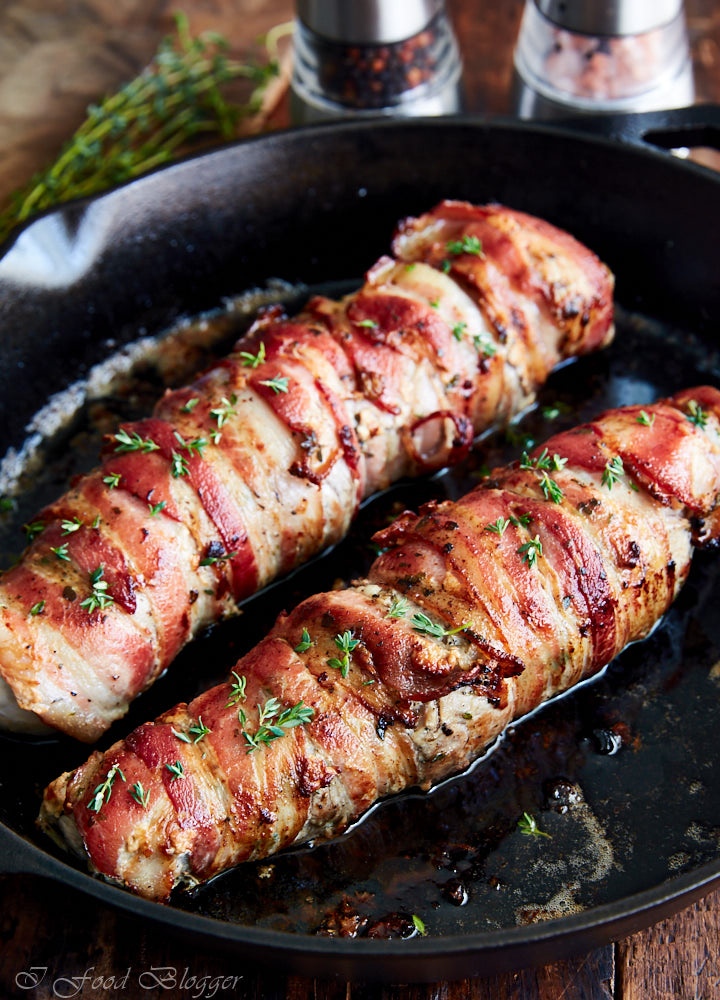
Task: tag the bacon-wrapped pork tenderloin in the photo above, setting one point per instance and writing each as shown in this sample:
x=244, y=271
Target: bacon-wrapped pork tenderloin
x=478, y=611
x=264, y=459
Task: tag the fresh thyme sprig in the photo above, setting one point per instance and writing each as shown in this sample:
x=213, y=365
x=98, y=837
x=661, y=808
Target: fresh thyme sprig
x=237, y=690
x=399, y=608
x=140, y=794
x=99, y=597
x=273, y=723
x=173, y=103
x=346, y=643
x=421, y=623
x=468, y=244
x=696, y=415
x=613, y=472
x=68, y=527
x=133, y=442
x=305, y=642
x=104, y=790
x=531, y=550
x=528, y=825
x=249, y=360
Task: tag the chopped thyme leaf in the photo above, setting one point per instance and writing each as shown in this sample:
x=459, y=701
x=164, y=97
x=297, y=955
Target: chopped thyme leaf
x=530, y=550
x=550, y=489
x=178, y=466
x=197, y=444
x=499, y=527
x=199, y=730
x=69, y=526
x=104, y=790
x=223, y=412
x=141, y=796
x=176, y=769
x=273, y=723
x=543, y=461
x=33, y=529
x=37, y=609
x=278, y=384
x=181, y=736
x=61, y=552
x=421, y=623
x=410, y=267
x=645, y=419
x=445, y=266
x=305, y=642
x=113, y=480
x=435, y=303
x=521, y=521
x=696, y=414
x=468, y=244
x=369, y=323
x=458, y=331
x=96, y=521
x=211, y=560
x=156, y=508
x=237, y=690
x=613, y=471
x=249, y=360
x=133, y=442
x=190, y=405
x=399, y=608
x=484, y=345
x=99, y=598
x=419, y=925
x=528, y=825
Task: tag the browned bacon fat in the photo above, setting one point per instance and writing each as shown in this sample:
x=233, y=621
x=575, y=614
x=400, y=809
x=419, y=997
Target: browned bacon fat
x=264, y=459
x=477, y=612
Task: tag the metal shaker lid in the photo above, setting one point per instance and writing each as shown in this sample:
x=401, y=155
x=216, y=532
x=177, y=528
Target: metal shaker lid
x=367, y=22
x=610, y=17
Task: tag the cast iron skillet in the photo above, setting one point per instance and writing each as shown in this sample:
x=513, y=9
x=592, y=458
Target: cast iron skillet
x=318, y=206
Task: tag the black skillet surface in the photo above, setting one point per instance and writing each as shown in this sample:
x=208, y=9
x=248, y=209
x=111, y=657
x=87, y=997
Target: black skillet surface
x=621, y=772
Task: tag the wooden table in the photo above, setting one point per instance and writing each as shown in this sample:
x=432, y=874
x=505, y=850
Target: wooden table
x=54, y=59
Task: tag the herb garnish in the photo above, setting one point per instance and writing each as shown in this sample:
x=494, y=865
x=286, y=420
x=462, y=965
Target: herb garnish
x=445, y=266
x=197, y=444
x=697, y=415
x=419, y=925
x=176, y=769
x=468, y=244
x=223, y=412
x=421, y=623
x=69, y=526
x=399, y=608
x=156, y=508
x=133, y=442
x=237, y=690
x=113, y=480
x=484, y=346
x=38, y=608
x=211, y=560
x=179, y=466
x=346, y=643
x=305, y=642
x=277, y=384
x=499, y=527
x=199, y=730
x=543, y=461
x=104, y=789
x=190, y=405
x=530, y=550
x=522, y=520
x=550, y=489
x=613, y=471
x=369, y=323
x=61, y=552
x=528, y=825
x=33, y=529
x=99, y=598
x=459, y=330
x=141, y=796
x=249, y=360
x=645, y=419
x=273, y=723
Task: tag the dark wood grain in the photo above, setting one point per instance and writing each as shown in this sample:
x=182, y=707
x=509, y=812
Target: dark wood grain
x=54, y=59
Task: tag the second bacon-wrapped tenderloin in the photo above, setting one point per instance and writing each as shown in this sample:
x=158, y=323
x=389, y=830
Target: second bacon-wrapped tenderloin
x=264, y=459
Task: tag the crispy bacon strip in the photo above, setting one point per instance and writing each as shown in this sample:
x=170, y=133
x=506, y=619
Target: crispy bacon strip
x=479, y=611
x=264, y=459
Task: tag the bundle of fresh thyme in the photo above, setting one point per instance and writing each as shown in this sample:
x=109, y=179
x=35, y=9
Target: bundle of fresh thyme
x=176, y=100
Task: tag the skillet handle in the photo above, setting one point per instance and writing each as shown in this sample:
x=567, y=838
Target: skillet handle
x=698, y=125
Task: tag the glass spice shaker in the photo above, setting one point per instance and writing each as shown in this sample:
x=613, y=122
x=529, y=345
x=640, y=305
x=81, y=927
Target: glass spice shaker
x=373, y=57
x=602, y=56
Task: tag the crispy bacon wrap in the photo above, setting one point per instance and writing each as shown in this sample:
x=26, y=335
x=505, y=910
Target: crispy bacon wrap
x=477, y=612
x=264, y=459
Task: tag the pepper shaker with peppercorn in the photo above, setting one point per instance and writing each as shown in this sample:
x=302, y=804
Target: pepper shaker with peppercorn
x=374, y=57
